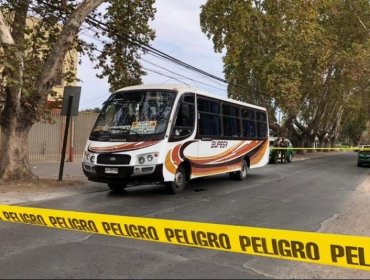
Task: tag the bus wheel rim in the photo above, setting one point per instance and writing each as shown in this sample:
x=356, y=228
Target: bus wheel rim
x=179, y=179
x=244, y=170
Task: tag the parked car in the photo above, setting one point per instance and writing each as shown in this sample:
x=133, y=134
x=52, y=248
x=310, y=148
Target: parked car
x=275, y=156
x=363, y=155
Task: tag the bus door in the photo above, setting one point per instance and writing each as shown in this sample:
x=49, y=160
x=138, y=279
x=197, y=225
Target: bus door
x=183, y=131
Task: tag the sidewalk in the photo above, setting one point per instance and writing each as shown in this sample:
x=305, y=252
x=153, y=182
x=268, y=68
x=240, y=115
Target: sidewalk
x=74, y=181
x=50, y=170
x=314, y=154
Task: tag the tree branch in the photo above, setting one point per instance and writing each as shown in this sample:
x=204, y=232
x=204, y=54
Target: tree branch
x=5, y=35
x=67, y=36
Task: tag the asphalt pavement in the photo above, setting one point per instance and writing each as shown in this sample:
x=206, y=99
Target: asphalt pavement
x=72, y=172
x=308, y=195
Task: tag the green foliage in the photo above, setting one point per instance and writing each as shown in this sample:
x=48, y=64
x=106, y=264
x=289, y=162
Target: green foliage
x=127, y=22
x=310, y=58
x=118, y=60
x=93, y=110
x=43, y=27
x=43, y=32
x=353, y=129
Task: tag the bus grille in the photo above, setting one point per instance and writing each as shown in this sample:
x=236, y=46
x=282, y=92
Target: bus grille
x=113, y=159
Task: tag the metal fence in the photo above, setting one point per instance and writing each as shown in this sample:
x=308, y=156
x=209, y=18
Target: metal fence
x=46, y=139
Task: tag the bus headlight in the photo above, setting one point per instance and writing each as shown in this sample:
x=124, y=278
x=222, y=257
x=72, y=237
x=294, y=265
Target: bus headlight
x=150, y=158
x=141, y=160
x=92, y=159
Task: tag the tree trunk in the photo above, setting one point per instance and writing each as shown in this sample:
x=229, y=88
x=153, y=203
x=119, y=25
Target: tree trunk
x=12, y=148
x=45, y=81
x=16, y=120
x=332, y=141
x=5, y=35
x=14, y=164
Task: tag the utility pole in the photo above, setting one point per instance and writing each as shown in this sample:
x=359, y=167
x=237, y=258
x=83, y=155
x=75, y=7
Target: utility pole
x=71, y=100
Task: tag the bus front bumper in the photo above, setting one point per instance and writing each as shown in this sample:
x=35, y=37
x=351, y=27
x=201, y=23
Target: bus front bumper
x=127, y=174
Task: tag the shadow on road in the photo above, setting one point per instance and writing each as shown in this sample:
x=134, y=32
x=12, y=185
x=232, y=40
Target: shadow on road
x=196, y=185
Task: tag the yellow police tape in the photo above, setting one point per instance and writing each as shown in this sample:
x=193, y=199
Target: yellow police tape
x=312, y=247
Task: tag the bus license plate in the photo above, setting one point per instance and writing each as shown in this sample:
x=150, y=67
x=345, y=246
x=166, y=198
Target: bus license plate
x=111, y=170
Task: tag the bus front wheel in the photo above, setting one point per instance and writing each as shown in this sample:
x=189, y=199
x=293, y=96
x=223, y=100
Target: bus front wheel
x=178, y=185
x=242, y=174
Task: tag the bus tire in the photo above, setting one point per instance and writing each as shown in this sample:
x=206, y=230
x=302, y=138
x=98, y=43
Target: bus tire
x=180, y=182
x=117, y=187
x=232, y=175
x=242, y=173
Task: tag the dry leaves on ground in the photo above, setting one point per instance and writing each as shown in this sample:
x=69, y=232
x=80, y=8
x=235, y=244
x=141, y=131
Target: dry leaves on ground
x=38, y=184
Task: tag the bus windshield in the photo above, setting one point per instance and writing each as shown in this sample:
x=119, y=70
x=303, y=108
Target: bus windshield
x=134, y=116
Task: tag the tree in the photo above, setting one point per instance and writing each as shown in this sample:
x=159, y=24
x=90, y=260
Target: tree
x=29, y=65
x=353, y=129
x=95, y=110
x=127, y=24
x=308, y=58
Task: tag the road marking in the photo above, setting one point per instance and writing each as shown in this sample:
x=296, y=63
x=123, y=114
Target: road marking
x=311, y=247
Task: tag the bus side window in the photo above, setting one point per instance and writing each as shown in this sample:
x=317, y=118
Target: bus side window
x=209, y=117
x=249, y=123
x=261, y=124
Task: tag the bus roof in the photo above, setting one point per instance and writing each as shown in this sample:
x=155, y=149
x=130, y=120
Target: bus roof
x=185, y=88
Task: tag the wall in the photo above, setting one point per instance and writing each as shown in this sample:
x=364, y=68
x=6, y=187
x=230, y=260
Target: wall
x=46, y=139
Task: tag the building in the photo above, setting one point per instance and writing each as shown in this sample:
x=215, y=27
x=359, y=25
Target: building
x=69, y=66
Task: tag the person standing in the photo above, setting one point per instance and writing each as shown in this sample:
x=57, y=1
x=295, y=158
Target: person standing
x=283, y=150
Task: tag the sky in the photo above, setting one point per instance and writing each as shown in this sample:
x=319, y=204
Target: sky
x=178, y=34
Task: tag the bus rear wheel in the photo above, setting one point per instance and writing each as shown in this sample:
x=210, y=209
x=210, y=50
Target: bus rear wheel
x=117, y=187
x=242, y=174
x=179, y=184
x=232, y=175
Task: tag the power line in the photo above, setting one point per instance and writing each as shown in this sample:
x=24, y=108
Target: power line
x=159, y=73
x=148, y=48
x=159, y=53
x=151, y=70
x=190, y=71
x=180, y=74
x=104, y=27
x=154, y=64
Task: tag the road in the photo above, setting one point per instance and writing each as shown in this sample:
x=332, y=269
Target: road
x=303, y=195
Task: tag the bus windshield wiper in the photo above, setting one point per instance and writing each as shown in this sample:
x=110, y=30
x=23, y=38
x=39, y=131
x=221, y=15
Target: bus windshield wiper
x=127, y=130
x=137, y=133
x=100, y=135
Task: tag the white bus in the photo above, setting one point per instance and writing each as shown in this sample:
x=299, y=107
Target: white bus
x=171, y=134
